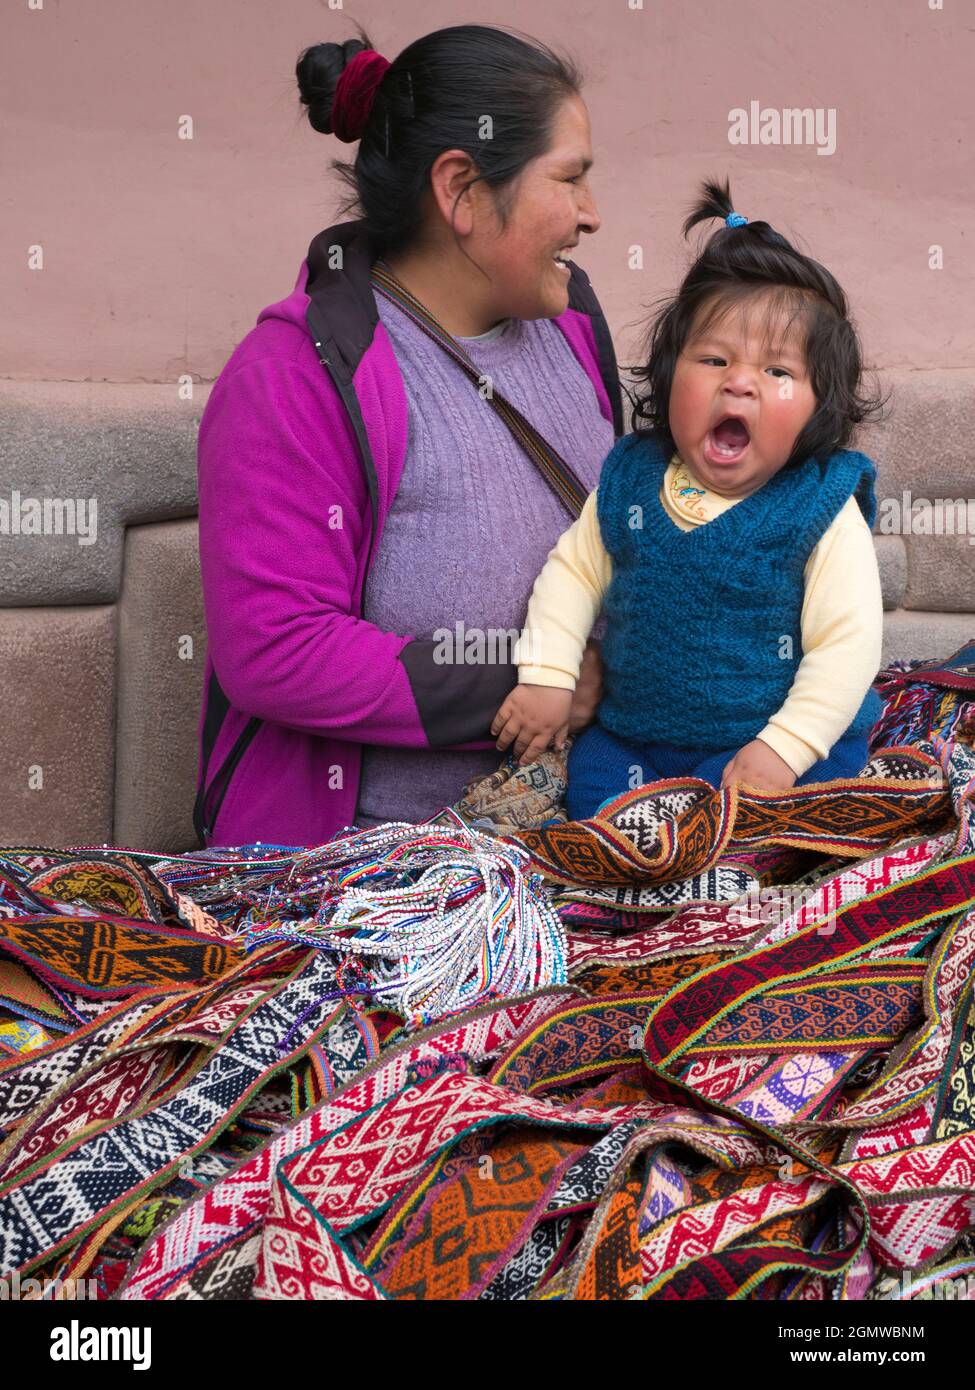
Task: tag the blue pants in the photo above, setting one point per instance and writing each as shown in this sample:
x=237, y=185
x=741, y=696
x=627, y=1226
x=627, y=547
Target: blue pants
x=601, y=766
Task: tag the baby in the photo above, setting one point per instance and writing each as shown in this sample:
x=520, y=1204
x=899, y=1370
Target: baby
x=729, y=543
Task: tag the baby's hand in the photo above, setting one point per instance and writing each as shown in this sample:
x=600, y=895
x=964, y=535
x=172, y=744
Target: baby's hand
x=532, y=715
x=759, y=766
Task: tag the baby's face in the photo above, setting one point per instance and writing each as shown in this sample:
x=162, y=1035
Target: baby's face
x=737, y=403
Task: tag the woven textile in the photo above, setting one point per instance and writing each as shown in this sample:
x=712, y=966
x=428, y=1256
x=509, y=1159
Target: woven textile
x=647, y=835
x=56, y=1199
x=112, y=957
x=767, y=1094
x=516, y=798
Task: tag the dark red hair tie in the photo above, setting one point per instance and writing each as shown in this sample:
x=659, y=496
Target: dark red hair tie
x=355, y=93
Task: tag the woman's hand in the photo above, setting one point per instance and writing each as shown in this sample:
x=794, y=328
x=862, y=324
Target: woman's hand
x=760, y=767
x=589, y=688
x=533, y=716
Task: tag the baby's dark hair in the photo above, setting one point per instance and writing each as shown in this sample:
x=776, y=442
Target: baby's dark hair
x=736, y=265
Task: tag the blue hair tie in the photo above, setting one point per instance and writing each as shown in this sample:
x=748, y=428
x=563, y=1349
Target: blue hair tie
x=735, y=219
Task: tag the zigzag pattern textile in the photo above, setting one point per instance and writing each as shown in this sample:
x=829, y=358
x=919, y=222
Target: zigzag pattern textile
x=754, y=1078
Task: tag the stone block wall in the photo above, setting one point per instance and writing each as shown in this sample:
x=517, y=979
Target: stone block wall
x=102, y=644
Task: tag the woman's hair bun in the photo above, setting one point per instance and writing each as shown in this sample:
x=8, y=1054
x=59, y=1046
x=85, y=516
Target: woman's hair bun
x=318, y=71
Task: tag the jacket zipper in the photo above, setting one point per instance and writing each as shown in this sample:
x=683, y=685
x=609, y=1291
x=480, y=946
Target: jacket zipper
x=351, y=402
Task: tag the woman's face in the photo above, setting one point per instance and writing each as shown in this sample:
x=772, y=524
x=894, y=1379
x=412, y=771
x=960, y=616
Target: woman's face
x=551, y=207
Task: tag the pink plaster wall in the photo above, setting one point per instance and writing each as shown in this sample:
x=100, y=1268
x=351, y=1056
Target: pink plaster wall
x=159, y=252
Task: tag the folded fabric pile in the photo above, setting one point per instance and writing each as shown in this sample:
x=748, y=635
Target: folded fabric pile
x=750, y=1073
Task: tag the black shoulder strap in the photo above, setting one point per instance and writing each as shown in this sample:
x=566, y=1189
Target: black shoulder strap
x=556, y=471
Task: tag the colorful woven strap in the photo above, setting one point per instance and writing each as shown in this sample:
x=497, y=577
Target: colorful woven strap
x=553, y=467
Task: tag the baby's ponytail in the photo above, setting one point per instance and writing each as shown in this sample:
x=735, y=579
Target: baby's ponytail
x=740, y=260
x=715, y=201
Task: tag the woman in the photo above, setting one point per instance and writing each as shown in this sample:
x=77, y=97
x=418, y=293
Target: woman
x=359, y=495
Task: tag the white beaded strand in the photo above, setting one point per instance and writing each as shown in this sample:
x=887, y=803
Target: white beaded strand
x=448, y=916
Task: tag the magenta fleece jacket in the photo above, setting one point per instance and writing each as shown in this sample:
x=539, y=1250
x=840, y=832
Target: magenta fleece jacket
x=301, y=448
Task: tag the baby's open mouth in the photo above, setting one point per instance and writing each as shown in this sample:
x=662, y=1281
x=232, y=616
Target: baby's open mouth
x=729, y=439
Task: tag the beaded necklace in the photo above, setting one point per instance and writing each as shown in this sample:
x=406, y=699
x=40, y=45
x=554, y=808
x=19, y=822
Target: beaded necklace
x=427, y=920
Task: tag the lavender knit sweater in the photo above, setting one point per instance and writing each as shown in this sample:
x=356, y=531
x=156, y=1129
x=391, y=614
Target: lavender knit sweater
x=473, y=520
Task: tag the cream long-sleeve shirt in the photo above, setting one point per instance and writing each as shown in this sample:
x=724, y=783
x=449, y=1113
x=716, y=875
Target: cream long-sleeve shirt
x=841, y=623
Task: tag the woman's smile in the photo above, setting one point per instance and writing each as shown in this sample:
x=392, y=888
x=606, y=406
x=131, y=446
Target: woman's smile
x=562, y=258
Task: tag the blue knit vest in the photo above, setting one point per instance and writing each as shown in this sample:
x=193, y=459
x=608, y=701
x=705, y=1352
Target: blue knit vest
x=703, y=635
